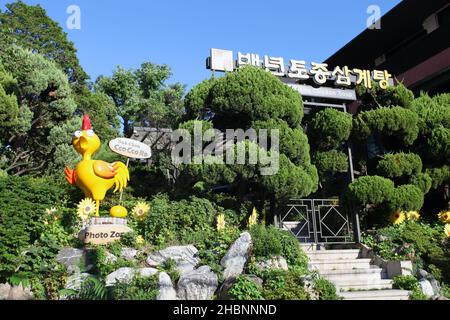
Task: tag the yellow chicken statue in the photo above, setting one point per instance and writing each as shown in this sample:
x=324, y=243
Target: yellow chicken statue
x=94, y=177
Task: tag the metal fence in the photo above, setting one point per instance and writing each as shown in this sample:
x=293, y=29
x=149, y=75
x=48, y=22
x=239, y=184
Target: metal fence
x=320, y=221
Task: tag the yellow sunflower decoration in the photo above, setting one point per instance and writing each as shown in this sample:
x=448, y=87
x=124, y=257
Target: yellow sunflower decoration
x=140, y=210
x=398, y=217
x=444, y=216
x=413, y=216
x=447, y=230
x=253, y=219
x=86, y=208
x=221, y=222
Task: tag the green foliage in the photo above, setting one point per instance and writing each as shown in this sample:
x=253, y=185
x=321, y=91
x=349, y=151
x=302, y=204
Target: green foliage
x=195, y=101
x=393, y=122
x=407, y=197
x=270, y=241
x=140, y=288
x=399, y=164
x=329, y=128
x=371, y=190
x=245, y=289
x=405, y=282
x=330, y=162
x=440, y=176
x=23, y=204
x=92, y=289
x=376, y=97
x=433, y=112
x=170, y=267
x=142, y=97
x=30, y=27
x=293, y=141
x=252, y=94
x=103, y=265
x=439, y=143
x=284, y=285
x=192, y=124
x=325, y=289
x=423, y=181
x=44, y=117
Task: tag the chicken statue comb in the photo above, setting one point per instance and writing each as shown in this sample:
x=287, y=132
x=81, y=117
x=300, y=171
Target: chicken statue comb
x=86, y=122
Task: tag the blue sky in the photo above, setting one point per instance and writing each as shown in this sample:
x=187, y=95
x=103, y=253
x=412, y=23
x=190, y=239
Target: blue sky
x=180, y=33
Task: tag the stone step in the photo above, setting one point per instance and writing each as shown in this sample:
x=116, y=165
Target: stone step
x=333, y=254
x=365, y=285
x=344, y=264
x=353, y=275
x=376, y=295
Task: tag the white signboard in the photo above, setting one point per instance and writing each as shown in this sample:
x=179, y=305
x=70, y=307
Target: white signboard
x=324, y=92
x=130, y=148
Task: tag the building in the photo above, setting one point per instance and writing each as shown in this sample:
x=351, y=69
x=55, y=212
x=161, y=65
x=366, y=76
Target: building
x=413, y=44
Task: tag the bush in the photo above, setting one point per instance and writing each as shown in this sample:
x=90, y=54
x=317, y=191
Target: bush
x=245, y=289
x=330, y=162
x=405, y=283
x=23, y=204
x=140, y=288
x=282, y=285
x=400, y=164
x=371, y=190
x=423, y=181
x=325, y=289
x=329, y=128
x=271, y=241
x=407, y=198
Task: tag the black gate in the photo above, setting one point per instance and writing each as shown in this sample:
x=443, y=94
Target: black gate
x=319, y=221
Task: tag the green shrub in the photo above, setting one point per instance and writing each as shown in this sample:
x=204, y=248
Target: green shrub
x=140, y=288
x=270, y=241
x=423, y=181
x=245, y=289
x=170, y=267
x=329, y=128
x=284, y=285
x=330, y=162
x=325, y=289
x=371, y=190
x=405, y=283
x=92, y=289
x=399, y=164
x=407, y=198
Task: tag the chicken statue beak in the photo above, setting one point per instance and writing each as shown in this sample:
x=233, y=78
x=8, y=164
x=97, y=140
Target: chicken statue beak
x=83, y=143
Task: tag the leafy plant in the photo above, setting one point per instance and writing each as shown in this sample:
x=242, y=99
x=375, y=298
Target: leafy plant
x=245, y=289
x=284, y=285
x=140, y=288
x=325, y=289
x=93, y=289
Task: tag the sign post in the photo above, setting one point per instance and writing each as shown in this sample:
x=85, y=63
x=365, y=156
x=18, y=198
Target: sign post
x=131, y=149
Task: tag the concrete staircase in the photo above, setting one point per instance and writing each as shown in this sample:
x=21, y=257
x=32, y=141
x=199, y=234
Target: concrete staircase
x=355, y=278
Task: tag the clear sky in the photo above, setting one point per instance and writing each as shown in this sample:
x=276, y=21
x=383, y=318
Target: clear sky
x=180, y=33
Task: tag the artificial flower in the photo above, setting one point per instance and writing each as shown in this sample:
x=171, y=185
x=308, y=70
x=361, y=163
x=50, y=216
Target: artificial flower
x=447, y=230
x=140, y=210
x=86, y=208
x=413, y=216
x=253, y=219
x=398, y=217
x=444, y=216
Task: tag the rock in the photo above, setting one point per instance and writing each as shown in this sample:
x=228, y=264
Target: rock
x=279, y=263
x=4, y=291
x=423, y=274
x=127, y=274
x=199, y=284
x=166, y=290
x=129, y=254
x=75, y=281
x=70, y=257
x=441, y=298
x=381, y=238
x=435, y=285
x=256, y=280
x=308, y=284
x=19, y=293
x=426, y=287
x=184, y=256
x=236, y=257
x=110, y=258
x=225, y=288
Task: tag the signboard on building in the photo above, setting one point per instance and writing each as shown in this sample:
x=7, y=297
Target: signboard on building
x=298, y=71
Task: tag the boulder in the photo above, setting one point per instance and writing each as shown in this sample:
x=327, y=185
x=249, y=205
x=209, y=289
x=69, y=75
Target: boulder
x=127, y=274
x=199, y=284
x=4, y=291
x=75, y=259
x=435, y=285
x=166, y=289
x=423, y=274
x=110, y=258
x=75, y=281
x=236, y=257
x=426, y=287
x=20, y=293
x=129, y=254
x=184, y=256
x=278, y=263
